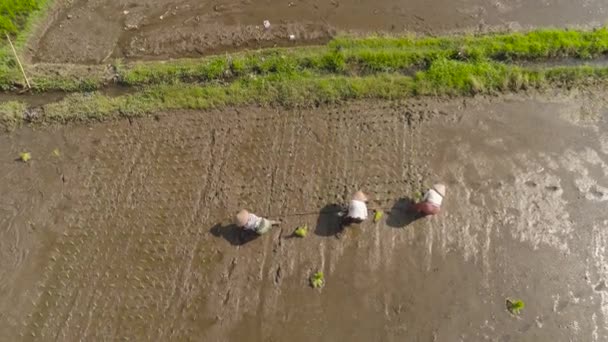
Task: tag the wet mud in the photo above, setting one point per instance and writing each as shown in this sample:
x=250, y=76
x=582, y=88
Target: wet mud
x=95, y=31
x=127, y=234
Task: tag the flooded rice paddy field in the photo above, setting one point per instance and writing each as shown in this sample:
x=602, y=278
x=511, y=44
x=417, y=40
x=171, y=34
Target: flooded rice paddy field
x=126, y=234
x=95, y=31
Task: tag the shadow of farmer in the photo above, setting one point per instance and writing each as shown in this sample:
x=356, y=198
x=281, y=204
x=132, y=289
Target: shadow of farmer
x=401, y=214
x=233, y=234
x=329, y=222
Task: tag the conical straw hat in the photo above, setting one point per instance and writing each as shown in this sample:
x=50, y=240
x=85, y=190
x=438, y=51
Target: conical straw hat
x=440, y=188
x=360, y=196
x=241, y=218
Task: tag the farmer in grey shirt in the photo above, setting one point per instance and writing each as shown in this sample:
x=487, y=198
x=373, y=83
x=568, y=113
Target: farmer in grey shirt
x=249, y=221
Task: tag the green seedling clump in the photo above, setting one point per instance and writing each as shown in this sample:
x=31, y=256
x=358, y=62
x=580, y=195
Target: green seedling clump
x=25, y=156
x=515, y=306
x=378, y=214
x=301, y=231
x=317, y=280
x=417, y=197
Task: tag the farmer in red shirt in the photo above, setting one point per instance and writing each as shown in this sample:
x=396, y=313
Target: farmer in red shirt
x=431, y=203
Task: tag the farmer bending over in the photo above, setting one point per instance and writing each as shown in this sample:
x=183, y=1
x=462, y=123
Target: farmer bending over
x=249, y=221
x=357, y=209
x=431, y=202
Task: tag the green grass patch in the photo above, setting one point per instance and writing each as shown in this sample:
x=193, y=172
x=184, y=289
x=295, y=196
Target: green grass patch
x=447, y=77
x=17, y=18
x=69, y=77
x=14, y=14
x=538, y=44
x=12, y=114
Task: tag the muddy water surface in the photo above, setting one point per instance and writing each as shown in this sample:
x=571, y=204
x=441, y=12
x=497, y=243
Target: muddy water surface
x=126, y=233
x=94, y=31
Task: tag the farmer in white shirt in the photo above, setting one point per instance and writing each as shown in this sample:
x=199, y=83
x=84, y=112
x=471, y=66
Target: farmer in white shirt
x=357, y=209
x=251, y=222
x=431, y=203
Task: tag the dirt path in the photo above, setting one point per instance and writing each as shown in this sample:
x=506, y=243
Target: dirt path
x=94, y=31
x=126, y=234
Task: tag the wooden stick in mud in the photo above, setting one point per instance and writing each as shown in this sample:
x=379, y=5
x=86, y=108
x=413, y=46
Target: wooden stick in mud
x=18, y=62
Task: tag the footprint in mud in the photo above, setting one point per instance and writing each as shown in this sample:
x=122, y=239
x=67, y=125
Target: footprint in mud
x=552, y=188
x=533, y=184
x=601, y=287
x=278, y=276
x=597, y=193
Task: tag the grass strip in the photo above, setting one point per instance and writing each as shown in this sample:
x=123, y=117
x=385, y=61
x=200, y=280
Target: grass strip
x=69, y=77
x=445, y=77
x=533, y=45
x=342, y=56
x=361, y=56
x=272, y=90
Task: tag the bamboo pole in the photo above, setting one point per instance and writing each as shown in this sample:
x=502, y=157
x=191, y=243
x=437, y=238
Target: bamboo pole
x=18, y=62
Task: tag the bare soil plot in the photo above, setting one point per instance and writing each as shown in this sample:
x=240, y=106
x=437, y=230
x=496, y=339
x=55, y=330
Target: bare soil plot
x=127, y=235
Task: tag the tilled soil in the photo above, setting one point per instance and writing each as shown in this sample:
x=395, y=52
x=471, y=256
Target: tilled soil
x=126, y=234
x=94, y=31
